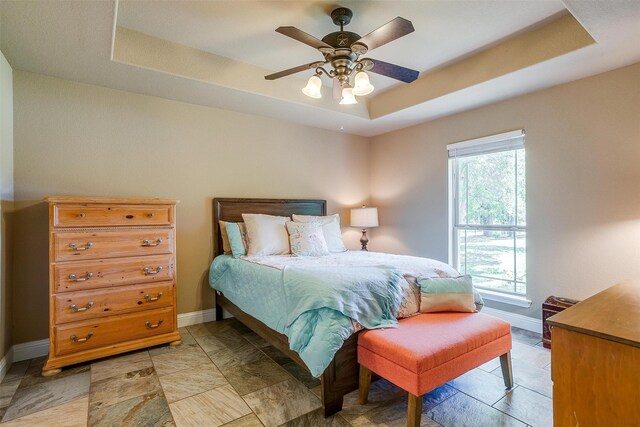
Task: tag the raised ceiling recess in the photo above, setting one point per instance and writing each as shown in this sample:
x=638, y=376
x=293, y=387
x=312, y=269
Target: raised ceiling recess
x=216, y=54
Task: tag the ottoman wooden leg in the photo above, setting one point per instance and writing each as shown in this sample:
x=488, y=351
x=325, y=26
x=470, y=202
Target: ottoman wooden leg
x=507, y=371
x=414, y=412
x=365, y=382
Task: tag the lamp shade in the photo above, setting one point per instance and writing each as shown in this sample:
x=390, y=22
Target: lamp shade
x=347, y=97
x=312, y=89
x=362, y=86
x=364, y=217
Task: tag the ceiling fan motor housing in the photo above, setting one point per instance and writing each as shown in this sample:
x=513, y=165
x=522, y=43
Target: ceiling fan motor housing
x=341, y=39
x=342, y=58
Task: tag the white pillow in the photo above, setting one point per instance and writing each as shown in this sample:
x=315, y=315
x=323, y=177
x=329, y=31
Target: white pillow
x=267, y=234
x=330, y=228
x=307, y=239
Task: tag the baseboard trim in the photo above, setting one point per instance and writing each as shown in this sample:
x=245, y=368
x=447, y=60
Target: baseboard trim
x=517, y=320
x=5, y=363
x=29, y=350
x=196, y=317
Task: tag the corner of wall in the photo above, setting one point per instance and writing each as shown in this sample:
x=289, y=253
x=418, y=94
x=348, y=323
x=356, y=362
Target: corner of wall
x=6, y=208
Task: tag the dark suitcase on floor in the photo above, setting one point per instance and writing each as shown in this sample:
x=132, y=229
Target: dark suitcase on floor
x=551, y=306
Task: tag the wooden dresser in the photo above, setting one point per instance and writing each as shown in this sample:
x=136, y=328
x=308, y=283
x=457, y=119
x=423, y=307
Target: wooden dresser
x=595, y=360
x=111, y=277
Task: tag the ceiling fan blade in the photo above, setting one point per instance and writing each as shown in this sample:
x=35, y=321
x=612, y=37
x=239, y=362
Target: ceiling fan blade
x=390, y=31
x=397, y=72
x=293, y=70
x=303, y=37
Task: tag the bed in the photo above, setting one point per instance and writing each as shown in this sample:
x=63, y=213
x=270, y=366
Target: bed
x=341, y=377
x=329, y=351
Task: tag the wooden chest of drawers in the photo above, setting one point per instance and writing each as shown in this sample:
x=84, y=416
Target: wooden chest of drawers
x=595, y=360
x=111, y=277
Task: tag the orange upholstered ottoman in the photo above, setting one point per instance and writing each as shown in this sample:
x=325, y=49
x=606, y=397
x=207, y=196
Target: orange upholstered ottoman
x=428, y=350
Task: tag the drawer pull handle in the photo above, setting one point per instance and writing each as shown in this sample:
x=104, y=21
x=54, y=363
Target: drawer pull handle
x=75, y=308
x=150, y=326
x=75, y=278
x=147, y=271
x=80, y=248
x=82, y=215
x=148, y=297
x=79, y=340
x=147, y=242
x=151, y=214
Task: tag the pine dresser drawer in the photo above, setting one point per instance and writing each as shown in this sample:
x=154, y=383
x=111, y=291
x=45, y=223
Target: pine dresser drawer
x=68, y=215
x=95, y=274
x=111, y=244
x=81, y=336
x=76, y=306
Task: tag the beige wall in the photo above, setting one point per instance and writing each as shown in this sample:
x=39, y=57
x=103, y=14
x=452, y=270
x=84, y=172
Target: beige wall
x=76, y=139
x=583, y=183
x=6, y=200
x=583, y=152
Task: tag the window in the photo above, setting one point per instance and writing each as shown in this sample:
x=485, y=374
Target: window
x=489, y=213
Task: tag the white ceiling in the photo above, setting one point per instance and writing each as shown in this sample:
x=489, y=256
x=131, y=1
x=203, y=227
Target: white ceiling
x=73, y=40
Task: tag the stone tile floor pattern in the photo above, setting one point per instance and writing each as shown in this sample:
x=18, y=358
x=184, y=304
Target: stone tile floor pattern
x=225, y=375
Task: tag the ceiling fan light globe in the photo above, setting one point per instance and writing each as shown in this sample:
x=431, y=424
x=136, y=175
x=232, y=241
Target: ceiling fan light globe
x=362, y=86
x=347, y=97
x=312, y=89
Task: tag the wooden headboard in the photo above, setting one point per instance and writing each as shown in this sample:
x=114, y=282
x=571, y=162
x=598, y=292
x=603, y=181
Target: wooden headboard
x=225, y=209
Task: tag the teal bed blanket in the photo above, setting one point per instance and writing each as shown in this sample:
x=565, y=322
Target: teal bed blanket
x=315, y=306
x=321, y=302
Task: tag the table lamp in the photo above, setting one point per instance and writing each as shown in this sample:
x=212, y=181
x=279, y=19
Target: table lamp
x=364, y=218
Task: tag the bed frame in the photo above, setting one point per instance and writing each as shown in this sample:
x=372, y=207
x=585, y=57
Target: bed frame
x=341, y=376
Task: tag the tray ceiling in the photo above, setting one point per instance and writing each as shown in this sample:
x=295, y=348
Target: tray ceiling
x=214, y=53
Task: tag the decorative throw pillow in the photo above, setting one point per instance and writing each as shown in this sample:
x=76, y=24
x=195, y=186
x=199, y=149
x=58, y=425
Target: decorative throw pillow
x=267, y=234
x=410, y=302
x=237, y=235
x=330, y=229
x=226, y=248
x=307, y=239
x=446, y=294
x=478, y=299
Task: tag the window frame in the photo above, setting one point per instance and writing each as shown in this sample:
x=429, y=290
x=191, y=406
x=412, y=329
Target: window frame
x=492, y=144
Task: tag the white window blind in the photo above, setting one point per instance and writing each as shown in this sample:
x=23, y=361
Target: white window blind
x=488, y=144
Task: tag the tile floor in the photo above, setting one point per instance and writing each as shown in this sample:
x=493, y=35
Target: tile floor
x=224, y=374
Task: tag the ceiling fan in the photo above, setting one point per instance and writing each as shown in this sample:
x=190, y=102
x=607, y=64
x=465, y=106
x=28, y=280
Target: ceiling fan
x=342, y=49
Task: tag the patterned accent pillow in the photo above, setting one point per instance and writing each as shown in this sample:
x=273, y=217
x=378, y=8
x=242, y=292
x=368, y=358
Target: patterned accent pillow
x=410, y=303
x=307, y=239
x=446, y=294
x=237, y=234
x=330, y=227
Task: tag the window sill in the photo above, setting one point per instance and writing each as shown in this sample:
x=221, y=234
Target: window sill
x=517, y=300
